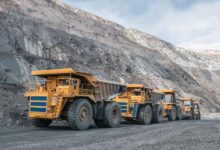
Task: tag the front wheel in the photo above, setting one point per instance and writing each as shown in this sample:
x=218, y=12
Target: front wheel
x=172, y=114
x=198, y=116
x=191, y=117
x=179, y=114
x=80, y=114
x=145, y=115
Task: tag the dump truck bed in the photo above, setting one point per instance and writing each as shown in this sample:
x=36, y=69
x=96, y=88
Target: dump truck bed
x=102, y=89
x=107, y=90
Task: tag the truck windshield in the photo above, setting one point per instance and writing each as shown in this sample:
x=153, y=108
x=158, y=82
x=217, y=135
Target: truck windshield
x=136, y=93
x=63, y=82
x=187, y=103
x=168, y=97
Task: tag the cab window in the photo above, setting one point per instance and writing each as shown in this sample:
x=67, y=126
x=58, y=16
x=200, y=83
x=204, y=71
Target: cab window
x=168, y=97
x=136, y=93
x=73, y=83
x=63, y=82
x=187, y=103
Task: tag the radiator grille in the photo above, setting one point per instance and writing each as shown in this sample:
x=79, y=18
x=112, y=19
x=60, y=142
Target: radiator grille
x=38, y=104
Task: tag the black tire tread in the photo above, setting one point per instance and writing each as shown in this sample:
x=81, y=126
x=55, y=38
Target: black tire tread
x=170, y=114
x=156, y=117
x=107, y=115
x=178, y=113
x=141, y=116
x=72, y=114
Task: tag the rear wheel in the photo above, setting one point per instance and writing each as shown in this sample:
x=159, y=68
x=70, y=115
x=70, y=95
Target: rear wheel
x=41, y=122
x=178, y=114
x=80, y=114
x=111, y=116
x=172, y=114
x=199, y=116
x=158, y=114
x=145, y=115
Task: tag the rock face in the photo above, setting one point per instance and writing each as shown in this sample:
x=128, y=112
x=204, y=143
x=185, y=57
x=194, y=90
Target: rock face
x=42, y=34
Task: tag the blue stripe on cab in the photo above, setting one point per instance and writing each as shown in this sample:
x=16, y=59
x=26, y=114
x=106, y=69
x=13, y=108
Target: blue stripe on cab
x=39, y=98
x=38, y=103
x=38, y=109
x=123, y=107
x=123, y=110
x=122, y=103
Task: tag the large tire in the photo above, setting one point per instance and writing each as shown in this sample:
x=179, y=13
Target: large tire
x=41, y=122
x=178, y=114
x=196, y=117
x=191, y=117
x=158, y=114
x=199, y=116
x=80, y=114
x=111, y=116
x=172, y=114
x=145, y=115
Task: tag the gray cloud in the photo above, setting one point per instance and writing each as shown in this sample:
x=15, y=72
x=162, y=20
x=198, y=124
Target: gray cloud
x=187, y=23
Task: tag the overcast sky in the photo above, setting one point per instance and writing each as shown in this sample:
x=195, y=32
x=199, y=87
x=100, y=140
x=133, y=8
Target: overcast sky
x=192, y=24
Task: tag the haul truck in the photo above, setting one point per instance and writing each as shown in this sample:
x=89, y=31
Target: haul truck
x=196, y=109
x=73, y=96
x=139, y=103
x=190, y=108
x=172, y=110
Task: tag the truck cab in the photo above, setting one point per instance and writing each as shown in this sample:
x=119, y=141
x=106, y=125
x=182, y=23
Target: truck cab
x=196, y=109
x=47, y=97
x=190, y=108
x=139, y=95
x=171, y=108
x=186, y=106
x=139, y=103
x=68, y=86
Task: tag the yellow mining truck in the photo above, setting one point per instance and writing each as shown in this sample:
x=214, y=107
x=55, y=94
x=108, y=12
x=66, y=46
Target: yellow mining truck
x=172, y=110
x=190, y=108
x=141, y=104
x=75, y=97
x=196, y=109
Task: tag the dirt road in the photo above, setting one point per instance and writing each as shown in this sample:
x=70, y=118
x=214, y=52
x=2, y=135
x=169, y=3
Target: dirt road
x=201, y=135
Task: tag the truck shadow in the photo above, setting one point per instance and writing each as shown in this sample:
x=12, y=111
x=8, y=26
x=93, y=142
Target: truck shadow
x=124, y=124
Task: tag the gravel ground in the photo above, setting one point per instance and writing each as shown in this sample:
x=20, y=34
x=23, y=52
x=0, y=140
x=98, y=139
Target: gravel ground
x=176, y=135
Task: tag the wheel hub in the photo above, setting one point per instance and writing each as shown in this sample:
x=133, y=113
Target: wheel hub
x=114, y=114
x=84, y=114
x=147, y=114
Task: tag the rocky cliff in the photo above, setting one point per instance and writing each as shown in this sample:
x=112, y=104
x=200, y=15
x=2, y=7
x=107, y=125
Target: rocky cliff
x=42, y=34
